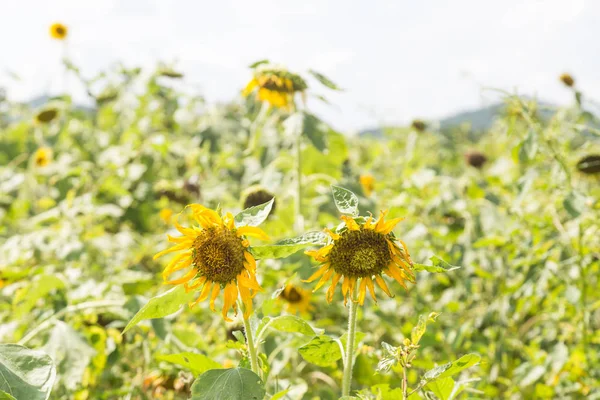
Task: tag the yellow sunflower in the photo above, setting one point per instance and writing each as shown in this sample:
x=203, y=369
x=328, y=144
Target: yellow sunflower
x=216, y=257
x=362, y=250
x=276, y=86
x=166, y=214
x=42, y=156
x=367, y=182
x=297, y=299
x=58, y=31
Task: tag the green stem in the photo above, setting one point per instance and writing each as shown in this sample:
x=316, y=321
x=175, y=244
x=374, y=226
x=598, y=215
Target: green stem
x=583, y=282
x=349, y=356
x=251, y=347
x=298, y=199
x=404, y=384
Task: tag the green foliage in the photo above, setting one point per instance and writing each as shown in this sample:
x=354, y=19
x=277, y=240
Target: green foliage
x=345, y=201
x=232, y=384
x=26, y=374
x=254, y=216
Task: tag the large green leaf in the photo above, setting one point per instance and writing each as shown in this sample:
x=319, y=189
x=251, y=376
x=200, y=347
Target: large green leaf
x=25, y=374
x=254, y=216
x=437, y=265
x=324, y=80
x=228, y=384
x=442, y=388
x=323, y=351
x=196, y=363
x=316, y=131
x=287, y=247
x=71, y=353
x=345, y=201
x=452, y=368
x=162, y=305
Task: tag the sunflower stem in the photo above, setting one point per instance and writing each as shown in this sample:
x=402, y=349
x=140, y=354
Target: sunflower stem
x=298, y=199
x=349, y=355
x=251, y=346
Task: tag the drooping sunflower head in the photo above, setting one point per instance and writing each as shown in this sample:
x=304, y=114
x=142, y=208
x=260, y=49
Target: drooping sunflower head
x=257, y=195
x=42, y=156
x=567, y=79
x=589, y=165
x=58, y=31
x=475, y=159
x=214, y=255
x=367, y=182
x=419, y=125
x=297, y=299
x=46, y=116
x=361, y=252
x=275, y=85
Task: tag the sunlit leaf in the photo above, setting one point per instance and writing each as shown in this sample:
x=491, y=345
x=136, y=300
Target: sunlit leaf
x=25, y=374
x=345, y=201
x=287, y=247
x=194, y=362
x=322, y=351
x=230, y=384
x=254, y=216
x=437, y=265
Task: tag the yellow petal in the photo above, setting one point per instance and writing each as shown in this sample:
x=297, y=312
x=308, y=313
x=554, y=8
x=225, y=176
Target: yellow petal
x=317, y=274
x=371, y=288
x=362, y=291
x=178, y=247
x=395, y=273
x=381, y=219
x=181, y=239
x=189, y=287
x=324, y=279
x=383, y=285
x=350, y=223
x=190, y=275
x=250, y=261
x=334, y=236
x=250, y=87
x=334, y=282
x=230, y=295
x=229, y=221
x=182, y=265
x=248, y=282
x=213, y=296
x=203, y=294
x=388, y=226
x=252, y=231
x=368, y=223
x=246, y=299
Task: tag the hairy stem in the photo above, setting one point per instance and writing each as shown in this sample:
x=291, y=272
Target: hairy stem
x=251, y=347
x=349, y=355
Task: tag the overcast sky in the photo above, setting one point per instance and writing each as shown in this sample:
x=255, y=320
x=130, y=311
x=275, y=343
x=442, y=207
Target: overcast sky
x=396, y=59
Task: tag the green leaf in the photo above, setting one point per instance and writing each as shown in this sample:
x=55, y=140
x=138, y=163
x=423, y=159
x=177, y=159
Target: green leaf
x=196, y=363
x=71, y=353
x=384, y=392
x=419, y=330
x=291, y=323
x=438, y=265
x=452, y=368
x=492, y=240
x=39, y=288
x=254, y=216
x=316, y=131
x=162, y=305
x=5, y=396
x=528, y=148
x=322, y=351
x=279, y=395
x=228, y=384
x=574, y=203
x=287, y=247
x=324, y=80
x=442, y=388
x=257, y=63
x=26, y=374
x=345, y=201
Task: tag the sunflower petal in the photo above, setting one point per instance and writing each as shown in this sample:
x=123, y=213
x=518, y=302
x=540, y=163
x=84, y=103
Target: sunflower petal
x=331, y=234
x=230, y=295
x=388, y=226
x=213, y=296
x=250, y=261
x=350, y=223
x=187, y=277
x=203, y=294
x=179, y=247
x=331, y=290
x=249, y=282
x=246, y=300
x=381, y=283
x=324, y=279
x=395, y=273
x=191, y=286
x=252, y=231
x=317, y=274
x=362, y=291
x=371, y=288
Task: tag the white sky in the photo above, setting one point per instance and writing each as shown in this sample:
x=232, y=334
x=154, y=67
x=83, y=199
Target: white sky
x=396, y=59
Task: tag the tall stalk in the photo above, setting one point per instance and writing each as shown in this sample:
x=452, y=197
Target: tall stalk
x=251, y=347
x=349, y=355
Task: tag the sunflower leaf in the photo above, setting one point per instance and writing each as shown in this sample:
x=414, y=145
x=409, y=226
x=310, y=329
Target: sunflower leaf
x=325, y=81
x=196, y=363
x=345, y=201
x=438, y=265
x=322, y=350
x=287, y=247
x=27, y=374
x=259, y=62
x=452, y=368
x=162, y=305
x=316, y=131
x=254, y=216
x=291, y=324
x=232, y=384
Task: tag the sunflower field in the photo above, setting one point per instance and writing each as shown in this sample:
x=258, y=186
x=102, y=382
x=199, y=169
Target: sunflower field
x=156, y=246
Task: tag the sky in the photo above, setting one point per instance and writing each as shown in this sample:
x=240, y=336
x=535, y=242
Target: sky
x=396, y=60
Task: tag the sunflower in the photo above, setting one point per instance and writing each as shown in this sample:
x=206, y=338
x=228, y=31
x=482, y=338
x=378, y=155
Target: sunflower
x=166, y=214
x=276, y=86
x=418, y=125
x=367, y=182
x=42, y=156
x=216, y=257
x=58, y=31
x=256, y=195
x=567, y=79
x=475, y=159
x=46, y=116
x=297, y=299
x=362, y=249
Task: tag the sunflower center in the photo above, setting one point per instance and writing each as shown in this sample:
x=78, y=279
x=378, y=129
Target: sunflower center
x=293, y=296
x=360, y=254
x=218, y=254
x=60, y=30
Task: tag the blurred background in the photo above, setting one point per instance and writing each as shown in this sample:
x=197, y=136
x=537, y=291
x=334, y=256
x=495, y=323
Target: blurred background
x=397, y=59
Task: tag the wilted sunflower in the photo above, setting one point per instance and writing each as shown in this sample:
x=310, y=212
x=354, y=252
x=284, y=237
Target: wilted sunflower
x=475, y=158
x=367, y=182
x=216, y=256
x=256, y=195
x=276, y=86
x=362, y=250
x=567, y=79
x=46, y=116
x=58, y=31
x=297, y=299
x=418, y=125
x=42, y=156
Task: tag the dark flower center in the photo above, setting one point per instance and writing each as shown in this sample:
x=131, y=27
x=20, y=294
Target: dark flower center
x=292, y=295
x=360, y=254
x=218, y=254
